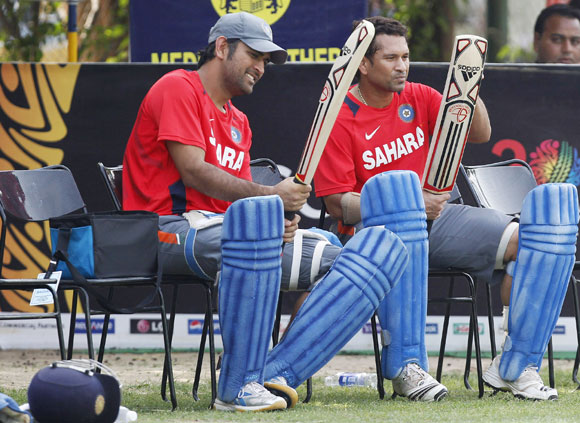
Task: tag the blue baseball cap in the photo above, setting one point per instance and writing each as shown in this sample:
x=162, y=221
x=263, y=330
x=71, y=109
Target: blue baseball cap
x=10, y=412
x=73, y=395
x=252, y=30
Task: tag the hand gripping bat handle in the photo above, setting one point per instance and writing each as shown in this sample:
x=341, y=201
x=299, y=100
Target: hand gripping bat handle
x=290, y=214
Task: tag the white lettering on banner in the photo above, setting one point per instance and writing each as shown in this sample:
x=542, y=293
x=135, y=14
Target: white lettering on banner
x=393, y=150
x=228, y=158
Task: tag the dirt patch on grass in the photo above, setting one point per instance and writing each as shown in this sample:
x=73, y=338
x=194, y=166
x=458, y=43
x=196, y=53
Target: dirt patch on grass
x=19, y=366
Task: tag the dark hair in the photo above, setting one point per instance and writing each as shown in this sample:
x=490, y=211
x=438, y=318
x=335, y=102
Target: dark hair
x=574, y=3
x=383, y=25
x=556, y=9
x=208, y=53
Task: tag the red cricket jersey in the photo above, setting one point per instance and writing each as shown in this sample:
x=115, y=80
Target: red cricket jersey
x=177, y=108
x=366, y=141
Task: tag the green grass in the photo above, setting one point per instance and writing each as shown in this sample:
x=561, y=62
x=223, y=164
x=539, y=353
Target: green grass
x=355, y=405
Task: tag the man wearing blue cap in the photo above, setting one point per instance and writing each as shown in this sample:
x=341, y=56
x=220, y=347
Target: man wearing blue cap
x=188, y=159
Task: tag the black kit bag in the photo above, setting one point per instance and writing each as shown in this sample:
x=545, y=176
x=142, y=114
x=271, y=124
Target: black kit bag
x=101, y=245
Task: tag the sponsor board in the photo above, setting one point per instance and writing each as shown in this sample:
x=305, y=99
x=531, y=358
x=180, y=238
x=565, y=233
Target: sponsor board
x=146, y=326
x=97, y=326
x=462, y=328
x=195, y=326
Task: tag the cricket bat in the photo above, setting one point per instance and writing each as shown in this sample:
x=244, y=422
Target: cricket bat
x=455, y=114
x=332, y=97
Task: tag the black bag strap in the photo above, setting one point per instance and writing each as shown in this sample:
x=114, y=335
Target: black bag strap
x=104, y=302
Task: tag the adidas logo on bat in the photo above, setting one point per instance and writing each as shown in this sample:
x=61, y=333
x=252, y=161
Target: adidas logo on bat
x=468, y=71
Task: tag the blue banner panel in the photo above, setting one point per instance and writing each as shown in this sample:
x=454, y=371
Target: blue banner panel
x=173, y=31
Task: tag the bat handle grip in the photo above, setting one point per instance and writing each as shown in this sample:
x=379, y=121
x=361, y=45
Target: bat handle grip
x=290, y=214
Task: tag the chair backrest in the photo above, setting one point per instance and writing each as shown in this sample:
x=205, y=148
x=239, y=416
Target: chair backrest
x=36, y=195
x=265, y=172
x=113, y=178
x=39, y=194
x=502, y=186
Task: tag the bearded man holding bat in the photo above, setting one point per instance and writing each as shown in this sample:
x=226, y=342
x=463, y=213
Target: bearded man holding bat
x=188, y=160
x=384, y=128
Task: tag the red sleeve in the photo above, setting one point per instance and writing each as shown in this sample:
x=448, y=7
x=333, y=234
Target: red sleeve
x=433, y=99
x=176, y=105
x=336, y=169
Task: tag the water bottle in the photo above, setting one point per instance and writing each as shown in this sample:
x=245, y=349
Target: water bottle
x=126, y=415
x=352, y=379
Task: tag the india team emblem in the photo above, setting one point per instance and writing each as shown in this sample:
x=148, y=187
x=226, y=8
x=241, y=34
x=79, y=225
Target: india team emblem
x=236, y=135
x=406, y=113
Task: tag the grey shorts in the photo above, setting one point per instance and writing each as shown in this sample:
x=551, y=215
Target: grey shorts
x=464, y=237
x=467, y=238
x=199, y=252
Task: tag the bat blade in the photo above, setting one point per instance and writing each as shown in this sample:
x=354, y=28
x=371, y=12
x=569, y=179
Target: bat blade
x=332, y=97
x=455, y=114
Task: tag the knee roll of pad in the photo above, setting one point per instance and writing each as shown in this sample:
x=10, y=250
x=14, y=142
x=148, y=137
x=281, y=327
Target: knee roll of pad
x=248, y=289
x=395, y=200
x=340, y=304
x=546, y=255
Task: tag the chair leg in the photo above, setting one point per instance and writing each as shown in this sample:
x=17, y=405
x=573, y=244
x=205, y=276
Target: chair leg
x=380, y=382
x=206, y=322
x=491, y=322
x=212, y=351
x=171, y=327
x=475, y=328
x=577, y=318
x=444, y=332
x=551, y=364
x=105, y=331
x=73, y=323
x=60, y=332
x=167, y=345
x=276, y=330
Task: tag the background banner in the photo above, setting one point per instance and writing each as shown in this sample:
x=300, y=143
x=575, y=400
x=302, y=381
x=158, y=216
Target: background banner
x=173, y=31
x=78, y=115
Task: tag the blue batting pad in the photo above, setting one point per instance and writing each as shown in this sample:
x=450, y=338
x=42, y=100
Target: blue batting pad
x=395, y=200
x=248, y=289
x=338, y=307
x=546, y=255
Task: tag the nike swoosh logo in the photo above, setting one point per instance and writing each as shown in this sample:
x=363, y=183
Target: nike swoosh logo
x=372, y=134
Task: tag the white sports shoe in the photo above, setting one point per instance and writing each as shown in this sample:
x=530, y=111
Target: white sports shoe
x=528, y=386
x=418, y=385
x=252, y=397
x=279, y=387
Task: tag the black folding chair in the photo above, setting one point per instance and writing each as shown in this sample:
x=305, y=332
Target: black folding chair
x=52, y=192
x=22, y=202
x=489, y=189
x=113, y=179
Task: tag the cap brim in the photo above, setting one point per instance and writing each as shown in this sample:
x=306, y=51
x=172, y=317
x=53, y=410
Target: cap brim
x=277, y=54
x=9, y=409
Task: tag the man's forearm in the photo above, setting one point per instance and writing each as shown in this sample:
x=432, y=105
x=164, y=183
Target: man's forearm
x=480, y=130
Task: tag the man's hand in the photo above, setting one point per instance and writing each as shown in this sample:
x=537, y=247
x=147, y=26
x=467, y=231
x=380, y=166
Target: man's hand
x=293, y=195
x=434, y=204
x=290, y=228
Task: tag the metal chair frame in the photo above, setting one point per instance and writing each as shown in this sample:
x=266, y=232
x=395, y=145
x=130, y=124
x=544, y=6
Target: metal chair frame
x=112, y=178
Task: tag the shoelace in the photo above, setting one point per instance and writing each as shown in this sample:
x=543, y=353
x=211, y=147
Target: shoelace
x=252, y=388
x=534, y=371
x=412, y=371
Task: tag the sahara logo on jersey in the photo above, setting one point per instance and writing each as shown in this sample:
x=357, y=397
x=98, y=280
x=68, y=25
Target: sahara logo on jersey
x=269, y=10
x=393, y=150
